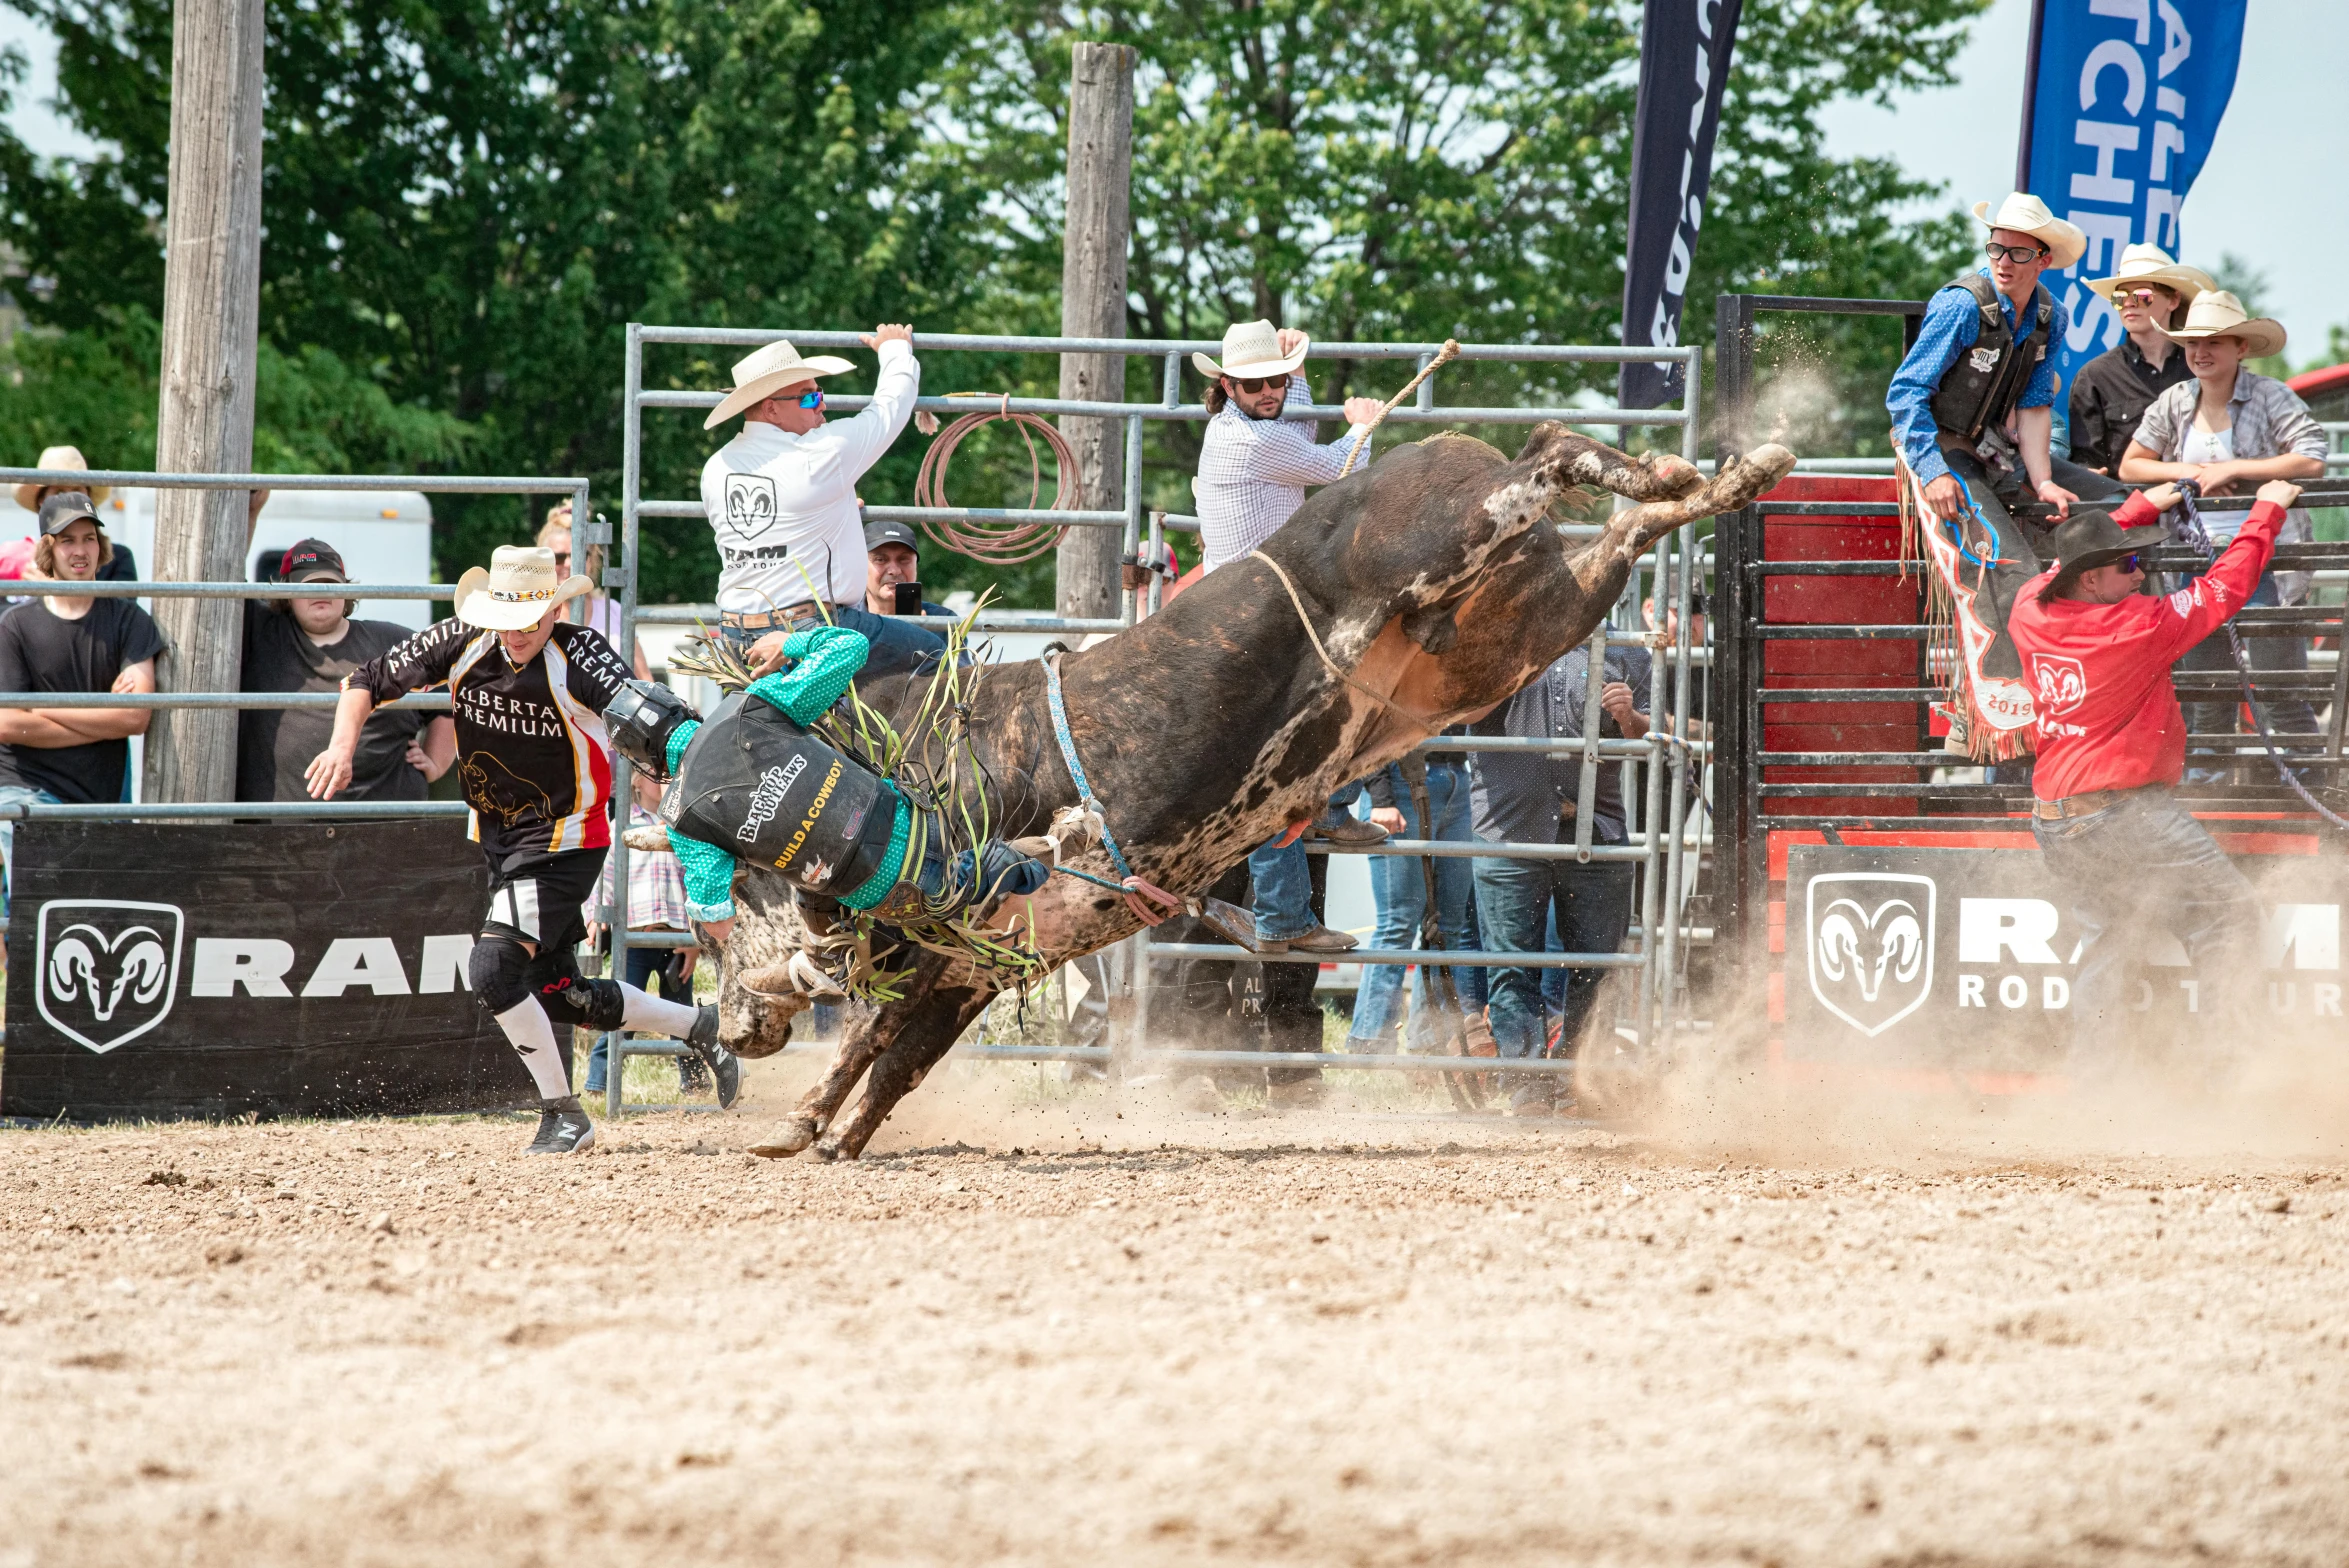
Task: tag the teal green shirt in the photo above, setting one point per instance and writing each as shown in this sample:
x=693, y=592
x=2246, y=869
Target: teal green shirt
x=819, y=664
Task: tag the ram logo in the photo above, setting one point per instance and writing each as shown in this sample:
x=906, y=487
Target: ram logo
x=1871, y=945
x=105, y=971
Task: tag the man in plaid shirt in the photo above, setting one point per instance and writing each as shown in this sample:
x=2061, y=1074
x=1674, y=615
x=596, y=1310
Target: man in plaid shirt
x=1254, y=465
x=1253, y=470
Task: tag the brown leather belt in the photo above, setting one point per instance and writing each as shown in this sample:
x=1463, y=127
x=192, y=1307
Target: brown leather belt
x=2086, y=805
x=769, y=620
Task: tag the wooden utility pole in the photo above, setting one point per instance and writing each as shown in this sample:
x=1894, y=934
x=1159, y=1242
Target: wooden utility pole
x=1093, y=305
x=211, y=320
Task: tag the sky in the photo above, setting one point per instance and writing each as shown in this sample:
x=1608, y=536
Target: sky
x=2274, y=191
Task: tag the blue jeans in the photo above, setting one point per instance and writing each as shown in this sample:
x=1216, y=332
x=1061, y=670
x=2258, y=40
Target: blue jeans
x=2287, y=714
x=646, y=966
x=1515, y=901
x=898, y=646
x=1399, y=884
x=15, y=795
x=2134, y=869
x=1281, y=882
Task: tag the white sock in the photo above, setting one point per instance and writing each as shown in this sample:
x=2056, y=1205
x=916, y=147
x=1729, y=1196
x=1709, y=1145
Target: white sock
x=527, y=1026
x=648, y=1014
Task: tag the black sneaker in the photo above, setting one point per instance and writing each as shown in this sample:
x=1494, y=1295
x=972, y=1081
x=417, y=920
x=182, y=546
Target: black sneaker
x=725, y=1067
x=563, y=1128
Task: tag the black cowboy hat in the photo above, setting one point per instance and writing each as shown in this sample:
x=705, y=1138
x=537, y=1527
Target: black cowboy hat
x=2092, y=538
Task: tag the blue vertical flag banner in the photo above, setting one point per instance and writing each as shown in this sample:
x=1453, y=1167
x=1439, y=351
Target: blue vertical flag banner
x=2126, y=96
x=1684, y=48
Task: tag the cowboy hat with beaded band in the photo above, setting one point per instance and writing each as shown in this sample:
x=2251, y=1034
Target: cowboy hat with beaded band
x=519, y=587
x=66, y=457
x=2026, y=214
x=763, y=372
x=2151, y=265
x=2219, y=314
x=1251, y=350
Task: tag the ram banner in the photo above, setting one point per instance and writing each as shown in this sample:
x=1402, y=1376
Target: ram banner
x=184, y=969
x=1964, y=958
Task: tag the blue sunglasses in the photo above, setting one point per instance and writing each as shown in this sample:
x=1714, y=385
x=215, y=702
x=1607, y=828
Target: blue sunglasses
x=813, y=399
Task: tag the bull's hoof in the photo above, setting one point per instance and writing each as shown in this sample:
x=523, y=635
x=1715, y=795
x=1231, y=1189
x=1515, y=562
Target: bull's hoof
x=790, y=1137
x=831, y=1151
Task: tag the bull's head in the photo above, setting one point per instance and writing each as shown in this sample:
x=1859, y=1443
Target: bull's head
x=84, y=966
x=1899, y=944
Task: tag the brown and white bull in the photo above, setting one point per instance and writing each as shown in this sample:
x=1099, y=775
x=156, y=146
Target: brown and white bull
x=1435, y=580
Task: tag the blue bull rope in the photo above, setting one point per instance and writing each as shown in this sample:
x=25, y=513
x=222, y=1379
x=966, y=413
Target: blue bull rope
x=2193, y=533
x=1957, y=535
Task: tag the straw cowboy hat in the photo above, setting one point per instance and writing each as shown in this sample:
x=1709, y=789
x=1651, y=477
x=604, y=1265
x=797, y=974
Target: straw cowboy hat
x=1252, y=349
x=2150, y=264
x=520, y=586
x=2025, y=214
x=2219, y=314
x=767, y=371
x=60, y=457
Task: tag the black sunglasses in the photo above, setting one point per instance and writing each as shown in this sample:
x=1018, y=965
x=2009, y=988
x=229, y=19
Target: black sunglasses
x=1260, y=383
x=2018, y=254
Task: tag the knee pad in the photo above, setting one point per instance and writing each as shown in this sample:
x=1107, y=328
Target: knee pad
x=496, y=971
x=570, y=997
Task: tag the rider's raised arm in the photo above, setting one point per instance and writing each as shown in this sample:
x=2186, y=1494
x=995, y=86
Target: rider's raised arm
x=820, y=662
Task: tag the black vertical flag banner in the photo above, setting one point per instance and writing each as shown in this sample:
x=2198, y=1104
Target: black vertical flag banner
x=1684, y=49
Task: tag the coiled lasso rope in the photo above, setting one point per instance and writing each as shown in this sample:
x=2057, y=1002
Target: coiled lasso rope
x=999, y=544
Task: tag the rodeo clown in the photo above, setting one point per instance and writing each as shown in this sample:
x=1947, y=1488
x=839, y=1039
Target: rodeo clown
x=752, y=784
x=530, y=693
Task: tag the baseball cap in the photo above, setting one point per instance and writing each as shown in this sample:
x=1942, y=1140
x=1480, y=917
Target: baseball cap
x=313, y=560
x=67, y=507
x=879, y=534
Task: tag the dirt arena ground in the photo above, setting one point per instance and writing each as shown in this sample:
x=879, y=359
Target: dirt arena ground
x=1053, y=1327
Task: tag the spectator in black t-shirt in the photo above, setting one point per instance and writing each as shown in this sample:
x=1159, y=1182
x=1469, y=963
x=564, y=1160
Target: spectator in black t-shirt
x=120, y=565
x=59, y=643
x=310, y=645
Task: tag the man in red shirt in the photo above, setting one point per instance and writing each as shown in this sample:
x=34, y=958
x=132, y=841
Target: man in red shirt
x=2112, y=743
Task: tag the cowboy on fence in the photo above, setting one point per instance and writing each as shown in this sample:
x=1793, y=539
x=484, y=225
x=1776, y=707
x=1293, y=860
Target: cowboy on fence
x=781, y=500
x=1973, y=419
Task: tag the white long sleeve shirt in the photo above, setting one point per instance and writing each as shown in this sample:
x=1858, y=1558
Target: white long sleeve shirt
x=1253, y=474
x=783, y=506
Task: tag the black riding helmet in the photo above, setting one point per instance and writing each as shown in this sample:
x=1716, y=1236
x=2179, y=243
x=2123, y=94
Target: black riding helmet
x=642, y=718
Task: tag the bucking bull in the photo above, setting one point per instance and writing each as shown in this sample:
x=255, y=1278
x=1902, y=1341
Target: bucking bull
x=1436, y=581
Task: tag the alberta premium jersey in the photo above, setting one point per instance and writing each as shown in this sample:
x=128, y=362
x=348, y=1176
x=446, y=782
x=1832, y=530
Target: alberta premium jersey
x=531, y=747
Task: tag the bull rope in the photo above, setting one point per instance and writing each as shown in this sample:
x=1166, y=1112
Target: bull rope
x=2199, y=538
x=1443, y=356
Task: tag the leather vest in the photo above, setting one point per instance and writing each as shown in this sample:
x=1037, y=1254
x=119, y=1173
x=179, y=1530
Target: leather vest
x=1980, y=389
x=767, y=792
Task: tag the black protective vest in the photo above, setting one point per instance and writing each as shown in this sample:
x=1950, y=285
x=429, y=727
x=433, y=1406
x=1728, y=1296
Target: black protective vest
x=1980, y=389
x=766, y=791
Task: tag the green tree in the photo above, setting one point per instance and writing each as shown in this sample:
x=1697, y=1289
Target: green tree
x=1432, y=168
x=468, y=200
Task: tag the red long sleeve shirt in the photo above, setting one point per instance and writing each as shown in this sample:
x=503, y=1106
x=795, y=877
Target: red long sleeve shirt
x=2106, y=714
